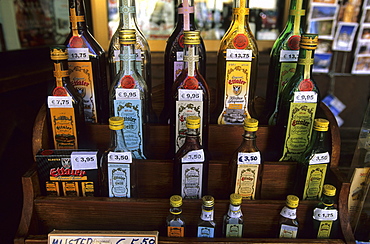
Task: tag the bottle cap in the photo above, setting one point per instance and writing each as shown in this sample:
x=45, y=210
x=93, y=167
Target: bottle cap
x=321, y=125
x=309, y=41
x=250, y=124
x=58, y=52
x=292, y=201
x=127, y=36
x=236, y=199
x=192, y=37
x=208, y=201
x=116, y=123
x=329, y=190
x=176, y=201
x=192, y=122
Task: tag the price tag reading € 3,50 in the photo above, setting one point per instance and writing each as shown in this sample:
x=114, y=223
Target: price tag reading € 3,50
x=120, y=157
x=249, y=158
x=193, y=156
x=84, y=160
x=60, y=102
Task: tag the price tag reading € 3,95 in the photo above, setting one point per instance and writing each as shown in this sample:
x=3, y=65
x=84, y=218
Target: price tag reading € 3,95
x=127, y=94
x=77, y=54
x=120, y=157
x=84, y=160
x=60, y=102
x=190, y=95
x=249, y=158
x=193, y=156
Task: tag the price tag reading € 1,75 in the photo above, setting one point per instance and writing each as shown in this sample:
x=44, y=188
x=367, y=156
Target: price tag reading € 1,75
x=193, y=156
x=325, y=215
x=60, y=102
x=127, y=94
x=77, y=54
x=238, y=55
x=120, y=157
x=249, y=158
x=84, y=160
x=305, y=97
x=190, y=95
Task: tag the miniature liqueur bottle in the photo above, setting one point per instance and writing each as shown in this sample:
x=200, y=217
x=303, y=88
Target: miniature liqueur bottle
x=190, y=96
x=237, y=60
x=191, y=164
x=246, y=164
x=325, y=214
x=87, y=65
x=65, y=106
x=117, y=172
x=313, y=163
x=233, y=220
x=206, y=224
x=175, y=221
x=128, y=96
x=174, y=53
x=288, y=223
x=283, y=59
x=298, y=103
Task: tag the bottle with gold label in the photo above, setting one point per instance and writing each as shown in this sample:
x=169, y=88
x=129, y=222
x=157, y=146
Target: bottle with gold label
x=246, y=164
x=298, y=103
x=325, y=215
x=288, y=223
x=175, y=221
x=206, y=223
x=128, y=96
x=237, y=60
x=233, y=220
x=87, y=65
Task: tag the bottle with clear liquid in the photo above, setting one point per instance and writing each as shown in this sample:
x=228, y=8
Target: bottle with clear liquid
x=87, y=65
x=206, y=223
x=288, y=223
x=237, y=61
x=175, y=221
x=233, y=220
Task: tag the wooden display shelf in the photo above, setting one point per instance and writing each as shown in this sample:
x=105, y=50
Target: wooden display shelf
x=42, y=214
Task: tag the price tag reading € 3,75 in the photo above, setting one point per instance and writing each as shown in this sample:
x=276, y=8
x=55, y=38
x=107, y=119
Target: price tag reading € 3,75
x=193, y=156
x=60, y=102
x=84, y=160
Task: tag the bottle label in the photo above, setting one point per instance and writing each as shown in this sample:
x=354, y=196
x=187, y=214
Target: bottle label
x=120, y=157
x=325, y=214
x=234, y=230
x=288, y=55
x=87, y=189
x=320, y=158
x=314, y=181
x=190, y=95
x=193, y=156
x=234, y=211
x=177, y=69
x=249, y=158
x=206, y=215
x=119, y=179
x=288, y=231
x=175, y=231
x=208, y=232
x=289, y=213
x=237, y=80
x=287, y=70
x=81, y=76
x=324, y=229
x=78, y=54
x=246, y=180
x=191, y=180
x=180, y=57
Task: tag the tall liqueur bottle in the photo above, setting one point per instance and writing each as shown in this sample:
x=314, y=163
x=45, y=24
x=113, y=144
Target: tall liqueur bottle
x=191, y=164
x=190, y=96
x=246, y=164
x=206, y=223
x=65, y=106
x=175, y=221
x=283, y=59
x=237, y=60
x=174, y=53
x=298, y=103
x=288, y=223
x=87, y=65
x=313, y=163
x=128, y=96
x=325, y=215
x=233, y=220
x=117, y=172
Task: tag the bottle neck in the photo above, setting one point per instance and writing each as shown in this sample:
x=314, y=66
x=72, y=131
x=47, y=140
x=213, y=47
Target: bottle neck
x=305, y=63
x=249, y=139
x=192, y=136
x=175, y=210
x=207, y=213
x=296, y=19
x=234, y=211
x=186, y=15
x=327, y=201
x=77, y=16
x=117, y=142
x=127, y=12
x=318, y=139
x=61, y=72
x=127, y=58
x=191, y=58
x=240, y=14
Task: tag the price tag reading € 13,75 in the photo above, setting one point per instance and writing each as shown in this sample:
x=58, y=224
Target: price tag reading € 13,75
x=289, y=55
x=60, y=102
x=249, y=158
x=190, y=95
x=127, y=94
x=238, y=55
x=120, y=157
x=193, y=156
x=77, y=54
x=305, y=97
x=84, y=160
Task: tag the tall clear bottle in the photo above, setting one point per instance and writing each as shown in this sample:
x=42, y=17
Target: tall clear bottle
x=283, y=59
x=87, y=65
x=246, y=164
x=206, y=223
x=298, y=103
x=237, y=61
x=288, y=223
x=175, y=221
x=128, y=96
x=174, y=53
x=233, y=220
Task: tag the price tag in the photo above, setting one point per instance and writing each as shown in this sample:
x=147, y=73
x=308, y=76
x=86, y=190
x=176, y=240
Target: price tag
x=289, y=213
x=325, y=215
x=116, y=55
x=60, y=102
x=120, y=157
x=138, y=54
x=180, y=56
x=77, y=54
x=84, y=160
x=238, y=55
x=249, y=158
x=320, y=158
x=289, y=55
x=193, y=156
x=127, y=94
x=190, y=95
x=305, y=97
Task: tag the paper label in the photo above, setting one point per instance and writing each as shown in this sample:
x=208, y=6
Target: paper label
x=175, y=231
x=60, y=102
x=324, y=229
x=305, y=97
x=119, y=180
x=84, y=160
x=246, y=180
x=314, y=181
x=207, y=232
x=287, y=231
x=287, y=70
x=127, y=94
x=234, y=230
x=190, y=95
x=356, y=191
x=325, y=214
x=320, y=158
x=249, y=158
x=289, y=55
x=177, y=69
x=63, y=123
x=120, y=157
x=289, y=213
x=239, y=55
x=191, y=180
x=78, y=54
x=194, y=156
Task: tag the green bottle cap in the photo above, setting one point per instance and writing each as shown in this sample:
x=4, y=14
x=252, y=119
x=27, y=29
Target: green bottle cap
x=176, y=201
x=127, y=36
x=250, y=124
x=321, y=125
x=116, y=123
x=292, y=201
x=192, y=122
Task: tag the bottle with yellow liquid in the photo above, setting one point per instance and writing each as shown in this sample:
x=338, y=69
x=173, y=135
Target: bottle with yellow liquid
x=288, y=223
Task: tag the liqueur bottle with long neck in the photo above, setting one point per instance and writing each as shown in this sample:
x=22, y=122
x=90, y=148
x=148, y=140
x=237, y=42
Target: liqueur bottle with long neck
x=190, y=96
x=283, y=59
x=298, y=103
x=288, y=223
x=206, y=223
x=246, y=164
x=128, y=96
x=175, y=221
x=117, y=171
x=174, y=53
x=233, y=220
x=87, y=65
x=237, y=60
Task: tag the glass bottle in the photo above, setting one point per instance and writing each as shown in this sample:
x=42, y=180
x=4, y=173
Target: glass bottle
x=191, y=164
x=246, y=164
x=174, y=53
x=288, y=223
x=298, y=103
x=313, y=163
x=206, y=224
x=233, y=220
x=175, y=221
x=237, y=60
x=128, y=96
x=87, y=65
x=325, y=215
x=190, y=96
x=117, y=171
x=283, y=59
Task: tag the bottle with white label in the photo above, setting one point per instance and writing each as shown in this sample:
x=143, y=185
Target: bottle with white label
x=117, y=171
x=128, y=96
x=313, y=163
x=206, y=223
x=191, y=164
x=325, y=215
x=288, y=223
x=233, y=220
x=175, y=221
x=246, y=164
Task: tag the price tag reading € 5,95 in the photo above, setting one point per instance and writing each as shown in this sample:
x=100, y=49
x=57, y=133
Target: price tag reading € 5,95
x=127, y=94
x=193, y=156
x=120, y=157
x=190, y=95
x=84, y=160
x=305, y=97
x=60, y=102
x=238, y=55
x=77, y=54
x=249, y=158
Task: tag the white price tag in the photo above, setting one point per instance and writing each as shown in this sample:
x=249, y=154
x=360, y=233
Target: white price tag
x=138, y=54
x=320, y=158
x=289, y=213
x=193, y=156
x=116, y=55
x=190, y=95
x=77, y=54
x=325, y=215
x=127, y=94
x=239, y=55
x=180, y=56
x=84, y=160
x=249, y=158
x=60, y=102
x=120, y=157
x=305, y=97
x=289, y=55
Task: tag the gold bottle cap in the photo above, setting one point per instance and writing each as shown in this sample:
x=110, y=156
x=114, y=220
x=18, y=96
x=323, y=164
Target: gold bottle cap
x=292, y=201
x=127, y=36
x=208, y=201
x=192, y=122
x=250, y=124
x=309, y=41
x=116, y=123
x=58, y=52
x=329, y=190
x=236, y=199
x=192, y=37
x=176, y=201
x=321, y=125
